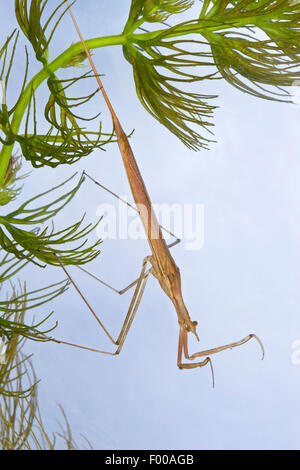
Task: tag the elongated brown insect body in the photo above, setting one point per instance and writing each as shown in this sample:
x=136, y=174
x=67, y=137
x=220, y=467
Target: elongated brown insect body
x=163, y=265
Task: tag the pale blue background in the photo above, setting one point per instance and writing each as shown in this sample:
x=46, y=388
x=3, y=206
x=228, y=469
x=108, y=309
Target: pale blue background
x=245, y=279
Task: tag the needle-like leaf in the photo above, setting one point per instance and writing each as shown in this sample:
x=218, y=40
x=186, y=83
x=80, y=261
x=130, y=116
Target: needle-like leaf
x=66, y=141
x=39, y=245
x=259, y=53
x=163, y=72
x=30, y=22
x=154, y=11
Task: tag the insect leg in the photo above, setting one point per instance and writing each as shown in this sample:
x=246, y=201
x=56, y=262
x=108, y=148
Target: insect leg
x=182, y=347
x=85, y=301
x=177, y=240
x=120, y=292
x=134, y=304
x=209, y=352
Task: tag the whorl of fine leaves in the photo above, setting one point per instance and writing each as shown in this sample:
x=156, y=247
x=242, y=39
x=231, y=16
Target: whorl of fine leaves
x=226, y=36
x=263, y=67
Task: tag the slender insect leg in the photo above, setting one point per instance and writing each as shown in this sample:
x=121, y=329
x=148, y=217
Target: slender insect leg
x=120, y=292
x=177, y=240
x=137, y=297
x=85, y=301
x=134, y=304
x=209, y=352
x=125, y=289
x=181, y=347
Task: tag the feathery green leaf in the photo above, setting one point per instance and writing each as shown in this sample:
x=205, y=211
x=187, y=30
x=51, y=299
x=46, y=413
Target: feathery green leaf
x=41, y=245
x=262, y=66
x=30, y=22
x=65, y=142
x=153, y=11
x=163, y=70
